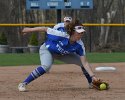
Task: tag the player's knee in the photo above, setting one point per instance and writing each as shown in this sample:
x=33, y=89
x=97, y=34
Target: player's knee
x=46, y=68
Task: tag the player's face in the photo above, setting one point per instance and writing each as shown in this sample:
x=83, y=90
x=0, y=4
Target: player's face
x=66, y=23
x=77, y=36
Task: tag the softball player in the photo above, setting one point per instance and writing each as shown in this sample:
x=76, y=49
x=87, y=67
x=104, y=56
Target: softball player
x=62, y=26
x=64, y=46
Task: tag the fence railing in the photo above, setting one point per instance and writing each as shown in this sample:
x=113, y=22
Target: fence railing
x=51, y=24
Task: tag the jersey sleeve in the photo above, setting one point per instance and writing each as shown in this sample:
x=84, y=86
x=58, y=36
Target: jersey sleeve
x=81, y=49
x=54, y=32
x=56, y=26
x=60, y=27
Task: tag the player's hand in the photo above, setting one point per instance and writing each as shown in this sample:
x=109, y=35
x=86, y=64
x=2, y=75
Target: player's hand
x=95, y=78
x=26, y=30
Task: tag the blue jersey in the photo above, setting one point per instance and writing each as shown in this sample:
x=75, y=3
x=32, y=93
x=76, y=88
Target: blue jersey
x=58, y=42
x=60, y=27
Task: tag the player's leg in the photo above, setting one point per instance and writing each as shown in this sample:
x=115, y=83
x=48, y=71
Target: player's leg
x=75, y=59
x=46, y=62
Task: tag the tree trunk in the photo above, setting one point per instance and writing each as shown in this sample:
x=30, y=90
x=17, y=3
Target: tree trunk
x=101, y=37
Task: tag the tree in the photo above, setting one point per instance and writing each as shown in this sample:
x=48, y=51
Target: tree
x=104, y=11
x=33, y=40
x=3, y=39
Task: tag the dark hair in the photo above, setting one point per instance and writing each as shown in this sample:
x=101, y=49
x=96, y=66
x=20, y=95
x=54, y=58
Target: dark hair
x=71, y=26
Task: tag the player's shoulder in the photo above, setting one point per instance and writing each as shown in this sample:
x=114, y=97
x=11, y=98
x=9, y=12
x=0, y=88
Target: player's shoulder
x=80, y=42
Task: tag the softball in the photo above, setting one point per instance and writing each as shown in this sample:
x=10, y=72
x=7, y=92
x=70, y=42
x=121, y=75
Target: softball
x=102, y=86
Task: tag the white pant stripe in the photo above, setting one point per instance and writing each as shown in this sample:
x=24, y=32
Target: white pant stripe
x=32, y=75
x=35, y=73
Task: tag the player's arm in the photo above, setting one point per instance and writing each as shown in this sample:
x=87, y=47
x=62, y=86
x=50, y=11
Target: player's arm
x=35, y=29
x=81, y=52
x=45, y=29
x=87, y=67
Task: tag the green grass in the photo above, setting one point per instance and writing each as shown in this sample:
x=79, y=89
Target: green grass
x=16, y=59
x=106, y=57
x=12, y=59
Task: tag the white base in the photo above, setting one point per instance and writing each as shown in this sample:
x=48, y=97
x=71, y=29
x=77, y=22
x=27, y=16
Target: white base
x=105, y=68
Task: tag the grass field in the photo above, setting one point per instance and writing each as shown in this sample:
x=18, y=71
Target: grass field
x=13, y=59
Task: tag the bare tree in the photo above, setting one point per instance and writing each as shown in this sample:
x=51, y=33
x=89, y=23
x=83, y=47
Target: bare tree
x=104, y=11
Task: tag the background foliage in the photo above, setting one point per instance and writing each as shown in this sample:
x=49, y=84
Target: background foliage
x=104, y=39
x=33, y=40
x=3, y=39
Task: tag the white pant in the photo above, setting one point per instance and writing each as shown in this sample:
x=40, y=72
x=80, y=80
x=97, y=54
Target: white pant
x=47, y=58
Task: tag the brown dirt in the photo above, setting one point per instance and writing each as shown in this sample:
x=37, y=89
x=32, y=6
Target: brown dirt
x=63, y=82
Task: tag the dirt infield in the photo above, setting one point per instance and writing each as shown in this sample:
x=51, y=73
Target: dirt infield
x=63, y=82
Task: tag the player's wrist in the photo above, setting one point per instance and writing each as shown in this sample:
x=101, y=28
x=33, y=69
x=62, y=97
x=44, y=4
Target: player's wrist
x=93, y=77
